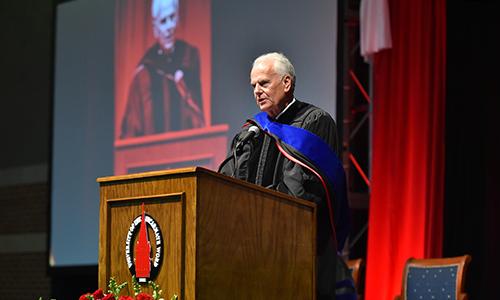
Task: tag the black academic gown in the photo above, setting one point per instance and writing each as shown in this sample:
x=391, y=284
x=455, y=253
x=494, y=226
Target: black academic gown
x=260, y=162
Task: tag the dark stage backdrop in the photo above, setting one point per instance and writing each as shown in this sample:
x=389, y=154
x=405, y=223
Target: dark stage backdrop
x=98, y=48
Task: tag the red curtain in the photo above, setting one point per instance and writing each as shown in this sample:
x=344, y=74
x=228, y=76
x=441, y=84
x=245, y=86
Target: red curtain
x=406, y=206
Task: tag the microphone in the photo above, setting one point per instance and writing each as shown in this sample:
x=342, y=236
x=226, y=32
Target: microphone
x=253, y=132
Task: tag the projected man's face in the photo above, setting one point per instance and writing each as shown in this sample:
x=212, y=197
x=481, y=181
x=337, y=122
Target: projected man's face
x=270, y=89
x=165, y=20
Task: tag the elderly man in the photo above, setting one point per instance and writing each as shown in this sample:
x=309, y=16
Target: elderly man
x=295, y=152
x=165, y=94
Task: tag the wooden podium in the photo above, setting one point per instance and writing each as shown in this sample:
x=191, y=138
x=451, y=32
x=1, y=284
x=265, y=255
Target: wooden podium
x=222, y=238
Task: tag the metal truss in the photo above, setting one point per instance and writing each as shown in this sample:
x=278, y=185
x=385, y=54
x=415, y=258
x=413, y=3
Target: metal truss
x=356, y=124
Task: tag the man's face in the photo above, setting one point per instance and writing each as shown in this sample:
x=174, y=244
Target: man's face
x=164, y=24
x=269, y=88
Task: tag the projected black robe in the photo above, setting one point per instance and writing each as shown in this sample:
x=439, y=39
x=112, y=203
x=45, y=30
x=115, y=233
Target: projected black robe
x=165, y=93
x=260, y=162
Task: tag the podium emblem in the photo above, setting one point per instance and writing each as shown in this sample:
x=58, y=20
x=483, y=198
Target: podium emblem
x=144, y=257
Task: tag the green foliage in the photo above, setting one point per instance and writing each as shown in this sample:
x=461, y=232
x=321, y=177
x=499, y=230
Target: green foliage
x=156, y=290
x=114, y=287
x=136, y=286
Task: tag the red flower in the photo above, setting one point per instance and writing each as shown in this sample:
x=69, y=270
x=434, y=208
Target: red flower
x=144, y=296
x=109, y=296
x=98, y=294
x=125, y=298
x=84, y=296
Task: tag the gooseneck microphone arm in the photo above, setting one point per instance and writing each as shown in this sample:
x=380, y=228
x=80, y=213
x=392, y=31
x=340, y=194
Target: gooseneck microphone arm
x=252, y=132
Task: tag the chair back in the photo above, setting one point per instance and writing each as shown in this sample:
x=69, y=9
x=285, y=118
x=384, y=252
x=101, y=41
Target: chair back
x=435, y=278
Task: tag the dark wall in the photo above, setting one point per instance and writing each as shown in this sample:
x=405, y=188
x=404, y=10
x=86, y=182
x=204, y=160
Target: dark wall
x=25, y=60
x=472, y=115
x=24, y=264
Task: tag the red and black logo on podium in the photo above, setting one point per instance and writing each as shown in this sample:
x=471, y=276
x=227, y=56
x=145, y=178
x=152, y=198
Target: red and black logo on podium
x=144, y=258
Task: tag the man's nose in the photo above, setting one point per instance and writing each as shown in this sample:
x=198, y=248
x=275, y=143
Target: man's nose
x=257, y=89
x=169, y=25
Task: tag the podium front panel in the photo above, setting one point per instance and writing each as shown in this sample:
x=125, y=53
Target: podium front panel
x=166, y=203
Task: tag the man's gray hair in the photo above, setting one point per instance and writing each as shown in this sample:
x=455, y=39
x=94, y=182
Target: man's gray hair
x=282, y=64
x=156, y=5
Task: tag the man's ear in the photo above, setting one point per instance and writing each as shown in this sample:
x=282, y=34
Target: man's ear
x=287, y=82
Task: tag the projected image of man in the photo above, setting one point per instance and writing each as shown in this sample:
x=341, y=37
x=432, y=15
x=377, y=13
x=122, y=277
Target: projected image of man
x=165, y=93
